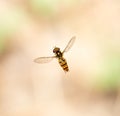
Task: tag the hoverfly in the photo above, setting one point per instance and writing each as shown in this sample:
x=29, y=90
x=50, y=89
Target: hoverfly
x=59, y=55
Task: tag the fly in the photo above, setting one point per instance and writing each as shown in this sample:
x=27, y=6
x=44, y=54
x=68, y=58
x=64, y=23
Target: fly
x=59, y=55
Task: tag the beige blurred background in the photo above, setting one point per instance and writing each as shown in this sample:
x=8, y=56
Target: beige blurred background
x=30, y=29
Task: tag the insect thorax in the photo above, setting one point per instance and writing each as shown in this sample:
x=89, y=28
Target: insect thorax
x=59, y=54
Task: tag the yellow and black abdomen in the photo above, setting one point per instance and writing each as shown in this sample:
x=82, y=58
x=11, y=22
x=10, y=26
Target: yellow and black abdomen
x=63, y=64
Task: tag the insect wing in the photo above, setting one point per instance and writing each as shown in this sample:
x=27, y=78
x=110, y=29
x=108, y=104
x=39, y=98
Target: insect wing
x=70, y=43
x=44, y=59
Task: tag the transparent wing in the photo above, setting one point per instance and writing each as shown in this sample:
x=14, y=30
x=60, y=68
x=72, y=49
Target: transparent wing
x=70, y=43
x=44, y=59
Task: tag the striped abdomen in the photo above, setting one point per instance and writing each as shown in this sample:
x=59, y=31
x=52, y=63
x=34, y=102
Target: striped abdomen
x=63, y=64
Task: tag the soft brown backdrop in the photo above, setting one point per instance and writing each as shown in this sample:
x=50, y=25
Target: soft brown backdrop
x=30, y=29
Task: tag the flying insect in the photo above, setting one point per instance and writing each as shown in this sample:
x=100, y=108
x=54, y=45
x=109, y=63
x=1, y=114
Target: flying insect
x=59, y=55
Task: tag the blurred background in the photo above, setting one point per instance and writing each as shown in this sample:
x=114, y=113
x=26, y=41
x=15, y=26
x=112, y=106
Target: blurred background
x=30, y=29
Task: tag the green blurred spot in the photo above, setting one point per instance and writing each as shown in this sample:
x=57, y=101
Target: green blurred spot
x=9, y=23
x=110, y=72
x=49, y=7
x=46, y=7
